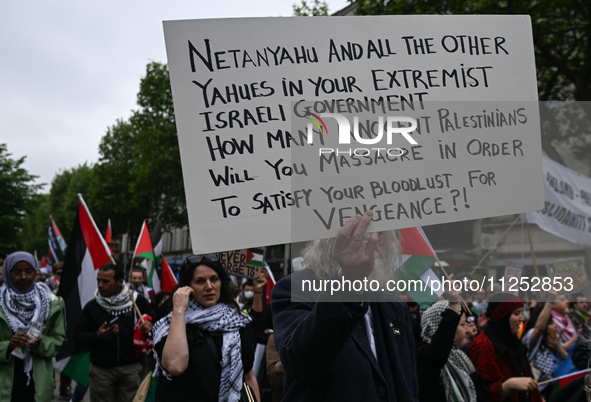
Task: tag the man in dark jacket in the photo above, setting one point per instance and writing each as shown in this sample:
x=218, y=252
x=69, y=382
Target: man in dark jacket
x=106, y=328
x=340, y=345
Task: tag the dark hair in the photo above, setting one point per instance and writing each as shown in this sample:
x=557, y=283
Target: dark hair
x=188, y=270
x=156, y=300
x=533, y=319
x=249, y=282
x=138, y=269
x=56, y=266
x=118, y=269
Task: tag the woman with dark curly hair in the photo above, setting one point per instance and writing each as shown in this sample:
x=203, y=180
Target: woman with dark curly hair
x=203, y=346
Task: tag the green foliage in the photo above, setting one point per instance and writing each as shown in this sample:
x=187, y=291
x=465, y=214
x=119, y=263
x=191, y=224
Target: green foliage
x=561, y=33
x=317, y=8
x=16, y=194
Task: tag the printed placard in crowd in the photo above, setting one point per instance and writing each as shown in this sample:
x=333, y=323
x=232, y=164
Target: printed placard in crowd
x=573, y=268
x=511, y=278
x=246, y=90
x=244, y=263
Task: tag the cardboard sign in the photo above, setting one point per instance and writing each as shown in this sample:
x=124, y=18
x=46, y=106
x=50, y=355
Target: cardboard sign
x=244, y=263
x=261, y=106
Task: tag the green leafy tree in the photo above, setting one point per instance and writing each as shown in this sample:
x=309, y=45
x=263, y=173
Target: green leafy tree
x=561, y=33
x=16, y=193
x=314, y=9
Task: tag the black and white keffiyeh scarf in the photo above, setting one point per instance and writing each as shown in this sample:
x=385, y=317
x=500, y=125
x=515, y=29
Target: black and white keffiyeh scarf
x=456, y=372
x=219, y=318
x=117, y=304
x=23, y=309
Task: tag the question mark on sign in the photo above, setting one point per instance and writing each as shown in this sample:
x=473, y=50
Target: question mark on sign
x=456, y=194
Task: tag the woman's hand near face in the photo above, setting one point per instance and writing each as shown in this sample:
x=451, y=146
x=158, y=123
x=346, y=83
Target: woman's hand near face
x=180, y=299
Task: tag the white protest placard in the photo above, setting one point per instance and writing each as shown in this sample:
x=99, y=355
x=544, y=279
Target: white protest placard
x=511, y=278
x=246, y=90
x=567, y=209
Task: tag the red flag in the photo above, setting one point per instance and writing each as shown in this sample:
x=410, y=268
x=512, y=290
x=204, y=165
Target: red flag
x=108, y=235
x=269, y=286
x=565, y=379
x=168, y=278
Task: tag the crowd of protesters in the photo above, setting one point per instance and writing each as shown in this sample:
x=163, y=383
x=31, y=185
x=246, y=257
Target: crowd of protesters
x=210, y=336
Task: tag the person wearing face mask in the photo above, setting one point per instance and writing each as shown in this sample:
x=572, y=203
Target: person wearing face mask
x=500, y=357
x=445, y=373
x=32, y=330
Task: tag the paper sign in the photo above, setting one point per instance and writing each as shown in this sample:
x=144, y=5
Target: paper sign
x=259, y=103
x=511, y=278
x=572, y=268
x=245, y=263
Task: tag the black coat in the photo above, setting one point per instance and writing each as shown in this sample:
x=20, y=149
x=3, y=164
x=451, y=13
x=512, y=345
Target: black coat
x=327, y=357
x=119, y=350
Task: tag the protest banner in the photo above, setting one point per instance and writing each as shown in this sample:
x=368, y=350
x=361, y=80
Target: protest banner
x=567, y=208
x=244, y=263
x=261, y=103
x=572, y=268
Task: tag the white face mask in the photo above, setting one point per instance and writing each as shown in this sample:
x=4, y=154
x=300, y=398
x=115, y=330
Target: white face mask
x=248, y=294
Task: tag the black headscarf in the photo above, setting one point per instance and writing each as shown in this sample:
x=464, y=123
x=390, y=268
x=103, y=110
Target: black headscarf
x=498, y=330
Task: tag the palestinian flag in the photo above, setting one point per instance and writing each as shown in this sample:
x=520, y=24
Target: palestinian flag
x=57, y=244
x=418, y=257
x=254, y=256
x=168, y=279
x=144, y=250
x=156, y=238
x=88, y=252
x=565, y=379
x=109, y=233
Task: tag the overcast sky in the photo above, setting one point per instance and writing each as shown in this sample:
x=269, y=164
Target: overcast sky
x=69, y=69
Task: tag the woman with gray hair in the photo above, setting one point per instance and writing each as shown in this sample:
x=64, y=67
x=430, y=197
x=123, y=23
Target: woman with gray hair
x=445, y=372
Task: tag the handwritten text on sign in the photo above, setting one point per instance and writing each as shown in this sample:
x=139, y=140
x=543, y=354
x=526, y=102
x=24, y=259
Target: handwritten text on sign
x=245, y=91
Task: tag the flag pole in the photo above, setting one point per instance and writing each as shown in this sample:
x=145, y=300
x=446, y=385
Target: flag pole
x=531, y=247
x=494, y=244
x=462, y=302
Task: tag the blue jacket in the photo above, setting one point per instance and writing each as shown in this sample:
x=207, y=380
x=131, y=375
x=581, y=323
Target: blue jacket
x=327, y=357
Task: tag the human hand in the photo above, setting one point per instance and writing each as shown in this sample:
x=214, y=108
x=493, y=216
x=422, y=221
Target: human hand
x=526, y=384
x=17, y=340
x=34, y=345
x=146, y=327
x=107, y=331
x=471, y=330
x=353, y=250
x=553, y=340
x=180, y=299
x=552, y=293
x=260, y=283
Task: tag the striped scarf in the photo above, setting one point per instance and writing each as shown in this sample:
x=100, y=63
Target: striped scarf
x=219, y=318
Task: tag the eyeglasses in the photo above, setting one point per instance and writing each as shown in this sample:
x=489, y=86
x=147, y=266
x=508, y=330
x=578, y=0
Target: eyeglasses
x=196, y=259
